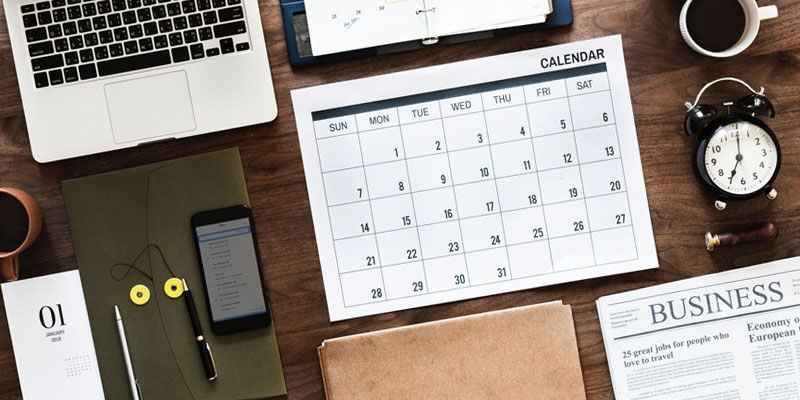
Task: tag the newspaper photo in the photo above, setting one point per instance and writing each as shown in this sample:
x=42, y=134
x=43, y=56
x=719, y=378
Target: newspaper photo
x=731, y=335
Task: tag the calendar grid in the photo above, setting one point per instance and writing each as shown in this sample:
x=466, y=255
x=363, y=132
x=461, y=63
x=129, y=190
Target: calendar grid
x=497, y=192
x=538, y=182
x=413, y=208
x=453, y=187
x=379, y=262
x=378, y=142
x=580, y=175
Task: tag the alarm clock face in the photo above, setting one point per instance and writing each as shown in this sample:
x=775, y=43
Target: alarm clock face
x=741, y=157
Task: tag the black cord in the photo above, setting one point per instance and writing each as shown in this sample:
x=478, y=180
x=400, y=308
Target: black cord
x=132, y=266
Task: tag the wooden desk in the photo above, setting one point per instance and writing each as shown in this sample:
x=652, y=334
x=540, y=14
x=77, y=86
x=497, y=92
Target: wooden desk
x=663, y=73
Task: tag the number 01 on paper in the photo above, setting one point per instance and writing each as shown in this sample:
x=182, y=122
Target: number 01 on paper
x=474, y=178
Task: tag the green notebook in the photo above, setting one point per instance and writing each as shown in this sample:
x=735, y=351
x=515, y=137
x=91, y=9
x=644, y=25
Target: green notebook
x=113, y=216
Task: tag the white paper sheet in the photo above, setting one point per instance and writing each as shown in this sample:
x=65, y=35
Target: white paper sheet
x=337, y=26
x=474, y=178
x=731, y=335
x=52, y=340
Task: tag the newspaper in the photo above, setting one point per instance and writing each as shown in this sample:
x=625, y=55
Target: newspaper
x=731, y=335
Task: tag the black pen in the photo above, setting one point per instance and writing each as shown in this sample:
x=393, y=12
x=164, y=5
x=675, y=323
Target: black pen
x=202, y=345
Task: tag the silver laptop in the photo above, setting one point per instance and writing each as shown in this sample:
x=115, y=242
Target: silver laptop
x=99, y=75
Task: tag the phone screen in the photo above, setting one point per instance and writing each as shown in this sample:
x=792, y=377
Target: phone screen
x=233, y=281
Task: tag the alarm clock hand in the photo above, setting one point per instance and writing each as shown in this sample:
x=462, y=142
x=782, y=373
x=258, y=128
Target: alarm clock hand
x=733, y=173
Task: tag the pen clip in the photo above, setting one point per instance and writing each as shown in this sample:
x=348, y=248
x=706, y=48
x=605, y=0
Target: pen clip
x=139, y=390
x=213, y=364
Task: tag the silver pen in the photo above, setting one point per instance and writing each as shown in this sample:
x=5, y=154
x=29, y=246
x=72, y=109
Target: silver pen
x=127, y=355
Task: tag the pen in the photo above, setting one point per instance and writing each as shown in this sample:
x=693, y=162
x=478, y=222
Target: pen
x=202, y=345
x=127, y=356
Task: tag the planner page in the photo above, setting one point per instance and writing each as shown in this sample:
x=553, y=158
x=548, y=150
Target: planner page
x=337, y=26
x=475, y=178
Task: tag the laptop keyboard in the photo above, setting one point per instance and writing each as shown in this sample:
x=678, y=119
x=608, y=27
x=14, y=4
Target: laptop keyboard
x=74, y=41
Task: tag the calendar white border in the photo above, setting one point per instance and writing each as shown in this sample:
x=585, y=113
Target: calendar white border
x=453, y=75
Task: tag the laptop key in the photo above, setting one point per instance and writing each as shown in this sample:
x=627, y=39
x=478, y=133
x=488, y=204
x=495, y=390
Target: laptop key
x=74, y=12
x=114, y=20
x=40, y=79
x=70, y=28
x=175, y=39
x=197, y=51
x=229, y=29
x=132, y=4
x=218, y=3
x=159, y=12
x=87, y=71
x=148, y=2
x=173, y=9
x=116, y=50
x=195, y=20
x=129, y=17
x=160, y=41
x=212, y=52
x=99, y=23
x=242, y=46
x=55, y=77
x=29, y=20
x=203, y=5
x=59, y=15
x=44, y=17
x=75, y=42
x=84, y=25
x=180, y=23
x=70, y=74
x=44, y=5
x=48, y=62
x=87, y=55
x=206, y=33
x=131, y=47
x=210, y=17
x=118, y=5
x=145, y=44
x=150, y=28
x=104, y=7
x=135, y=31
x=180, y=54
x=121, y=34
x=230, y=14
x=40, y=49
x=144, y=14
x=165, y=25
x=226, y=45
x=190, y=36
x=100, y=53
x=90, y=39
x=58, y=3
x=72, y=58
x=28, y=8
x=106, y=37
x=133, y=63
x=188, y=6
x=61, y=45
x=89, y=10
x=54, y=31
x=36, y=34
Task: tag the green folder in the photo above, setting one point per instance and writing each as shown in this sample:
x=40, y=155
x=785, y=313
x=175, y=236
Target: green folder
x=113, y=216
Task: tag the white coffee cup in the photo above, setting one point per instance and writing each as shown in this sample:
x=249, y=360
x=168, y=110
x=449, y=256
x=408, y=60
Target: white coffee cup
x=753, y=17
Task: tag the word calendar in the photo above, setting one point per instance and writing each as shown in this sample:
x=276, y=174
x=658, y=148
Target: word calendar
x=475, y=178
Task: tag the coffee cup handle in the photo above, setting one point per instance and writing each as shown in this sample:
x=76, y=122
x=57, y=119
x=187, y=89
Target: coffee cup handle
x=10, y=267
x=767, y=12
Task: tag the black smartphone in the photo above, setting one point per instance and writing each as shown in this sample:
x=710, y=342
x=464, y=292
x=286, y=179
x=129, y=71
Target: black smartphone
x=231, y=268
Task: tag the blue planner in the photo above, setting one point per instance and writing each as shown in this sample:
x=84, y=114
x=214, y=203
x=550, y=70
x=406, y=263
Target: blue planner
x=298, y=41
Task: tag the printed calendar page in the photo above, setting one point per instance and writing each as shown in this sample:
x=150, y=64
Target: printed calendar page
x=475, y=178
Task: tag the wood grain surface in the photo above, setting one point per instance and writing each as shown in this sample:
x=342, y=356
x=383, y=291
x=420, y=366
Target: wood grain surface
x=663, y=74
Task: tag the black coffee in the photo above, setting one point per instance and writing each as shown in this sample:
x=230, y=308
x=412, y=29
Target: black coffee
x=13, y=223
x=715, y=25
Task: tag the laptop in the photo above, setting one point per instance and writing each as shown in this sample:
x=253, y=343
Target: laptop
x=100, y=75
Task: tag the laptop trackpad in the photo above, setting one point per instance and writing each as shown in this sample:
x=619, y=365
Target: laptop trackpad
x=150, y=107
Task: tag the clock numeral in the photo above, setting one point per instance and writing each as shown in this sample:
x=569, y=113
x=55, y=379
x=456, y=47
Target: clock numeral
x=758, y=142
x=743, y=181
x=755, y=176
x=716, y=149
x=763, y=152
x=713, y=161
x=721, y=172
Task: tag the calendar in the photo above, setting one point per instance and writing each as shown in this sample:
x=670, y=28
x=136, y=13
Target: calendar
x=475, y=178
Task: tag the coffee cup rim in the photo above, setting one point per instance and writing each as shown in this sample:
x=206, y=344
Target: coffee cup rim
x=752, y=26
x=32, y=210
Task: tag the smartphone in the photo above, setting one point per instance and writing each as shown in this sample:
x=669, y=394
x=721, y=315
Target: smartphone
x=227, y=251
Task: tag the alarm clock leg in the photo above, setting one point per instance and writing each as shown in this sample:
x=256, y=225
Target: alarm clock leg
x=720, y=205
x=772, y=194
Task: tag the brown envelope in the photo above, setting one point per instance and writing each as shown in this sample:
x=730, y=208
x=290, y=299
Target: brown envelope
x=521, y=353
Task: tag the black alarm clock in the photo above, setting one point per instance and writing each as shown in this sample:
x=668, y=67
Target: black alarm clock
x=737, y=154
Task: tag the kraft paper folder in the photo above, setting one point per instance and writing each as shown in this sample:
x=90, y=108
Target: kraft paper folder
x=112, y=217
x=520, y=353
